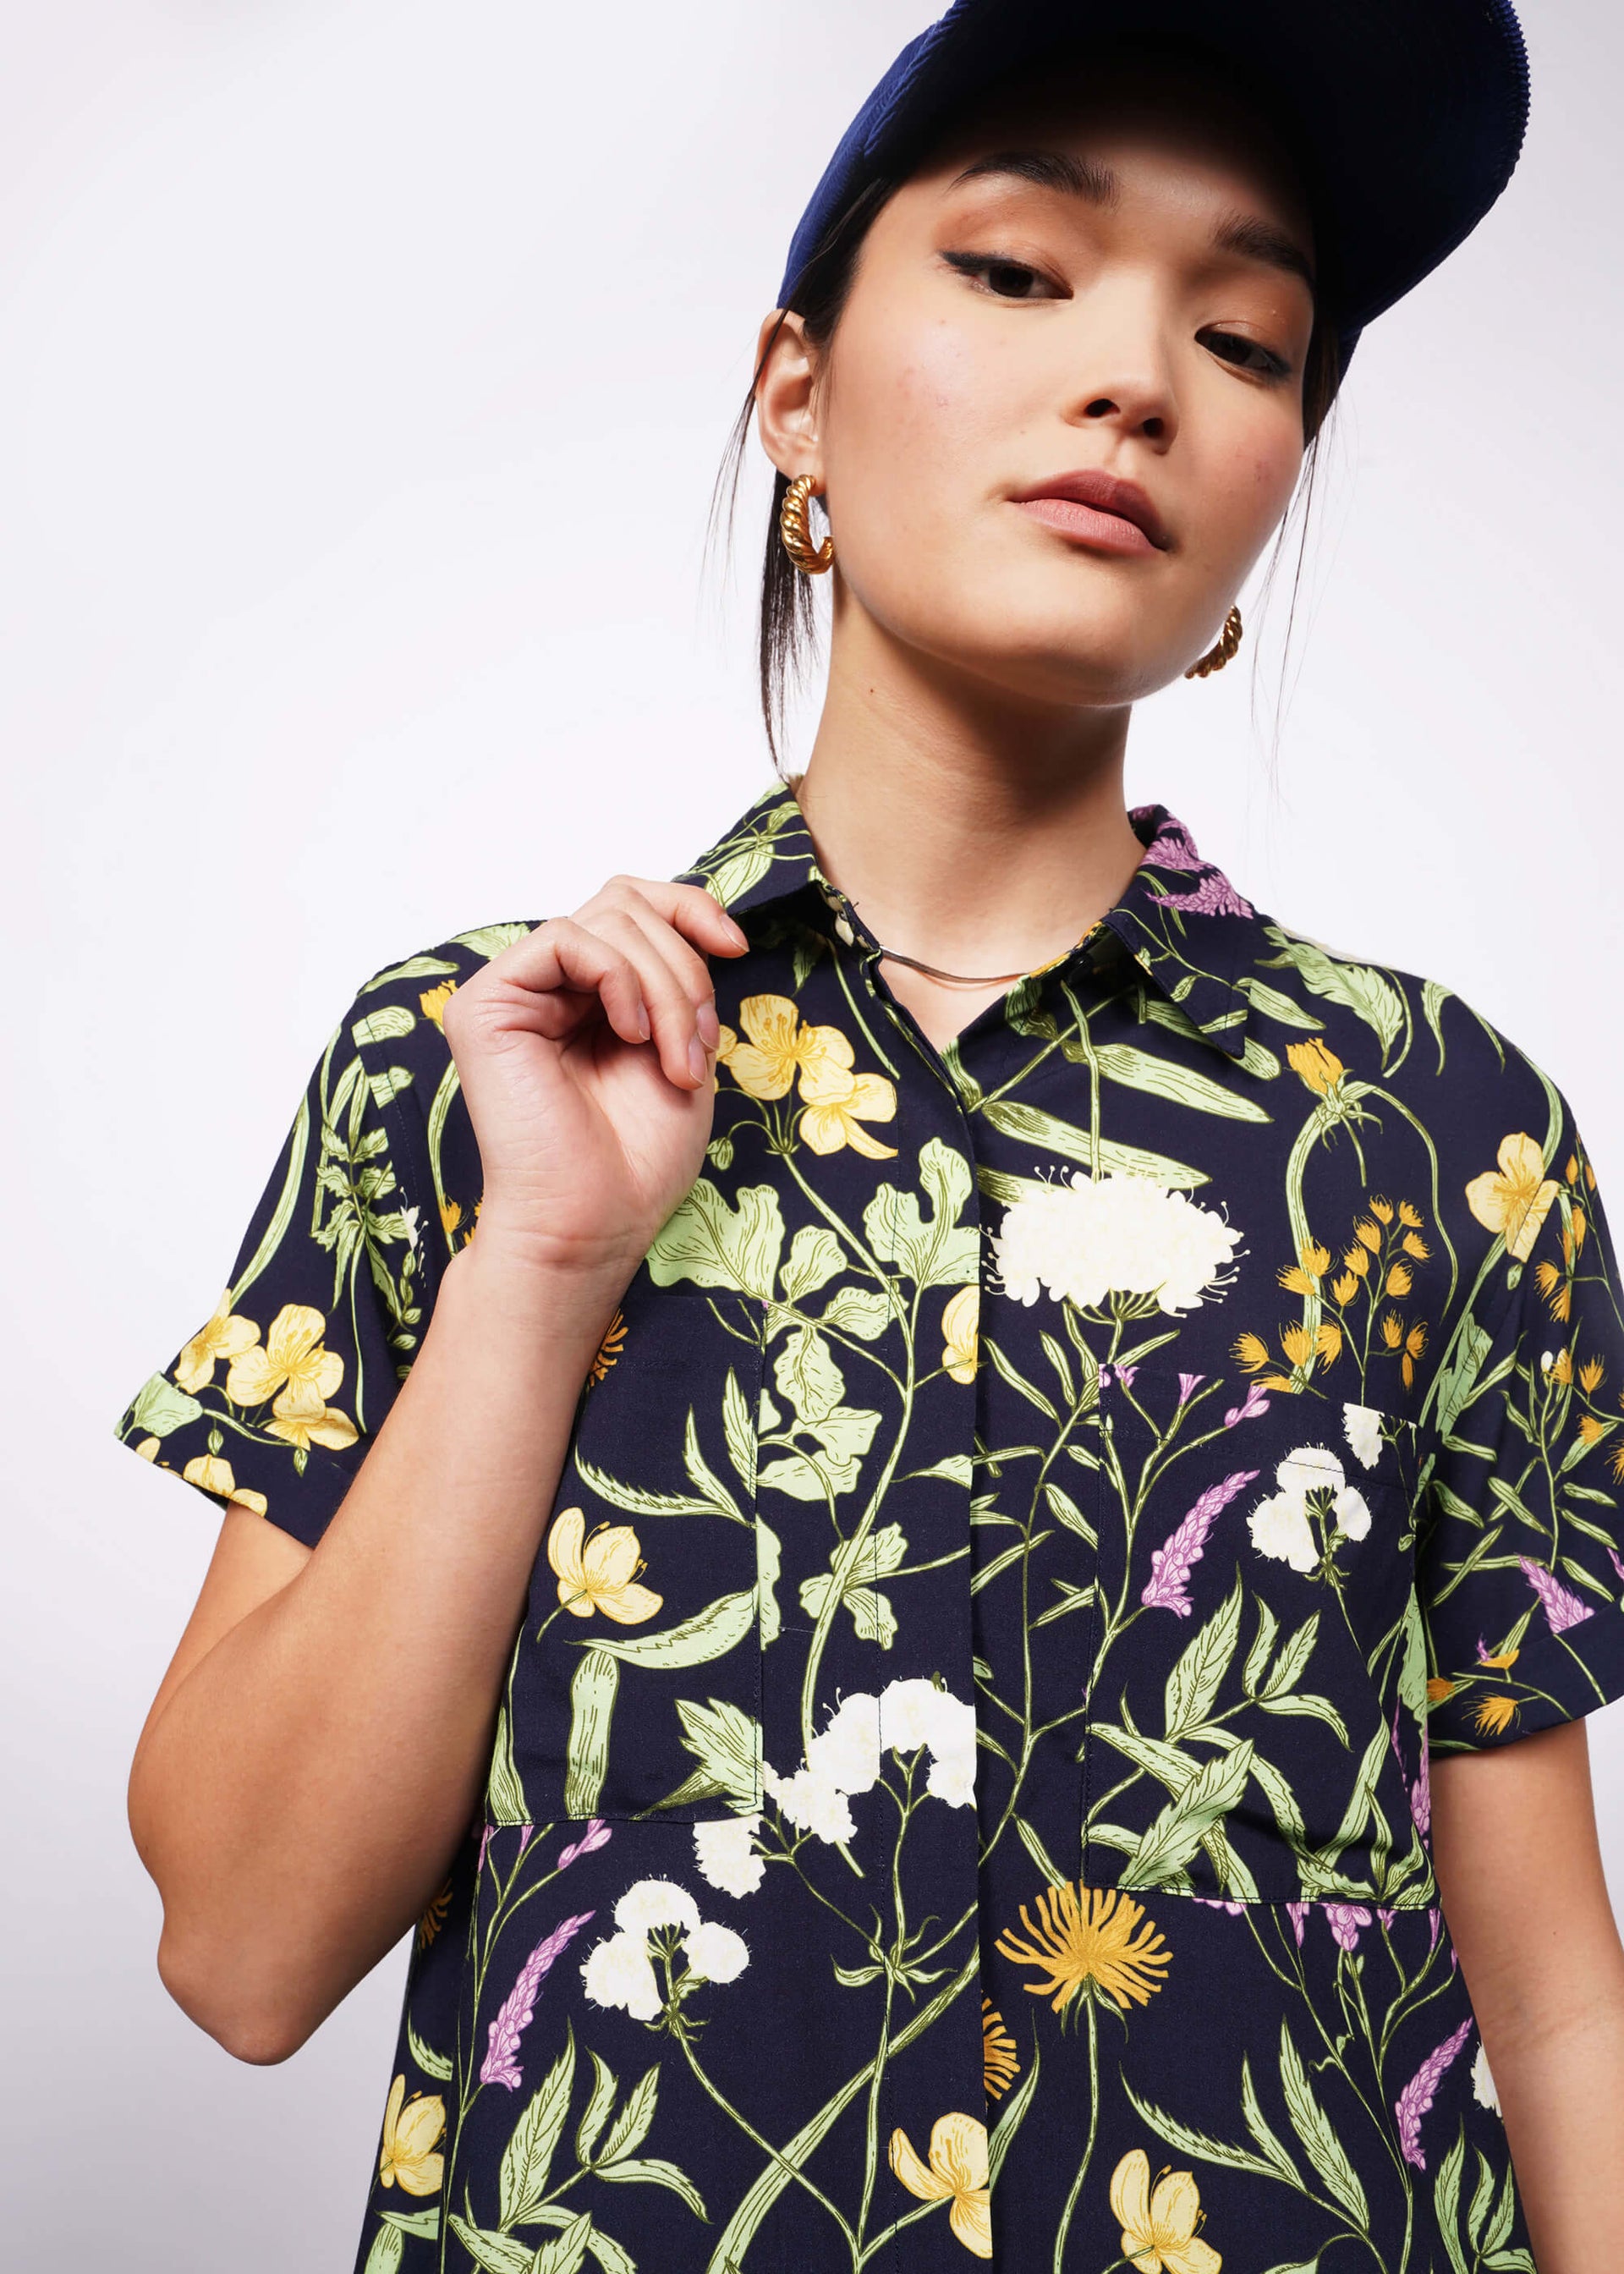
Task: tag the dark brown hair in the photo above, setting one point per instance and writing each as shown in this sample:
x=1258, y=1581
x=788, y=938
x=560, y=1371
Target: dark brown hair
x=788, y=618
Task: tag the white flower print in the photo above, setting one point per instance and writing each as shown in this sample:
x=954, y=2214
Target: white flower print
x=1084, y=1237
x=1282, y=1526
x=728, y=1857
x=1362, y=1428
x=1485, y=2091
x=845, y=1758
x=620, y=1970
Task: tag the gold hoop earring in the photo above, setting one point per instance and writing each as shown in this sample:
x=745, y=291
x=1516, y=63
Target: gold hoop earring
x=1217, y=655
x=795, y=529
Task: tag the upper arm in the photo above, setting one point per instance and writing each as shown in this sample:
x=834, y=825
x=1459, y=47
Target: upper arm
x=252, y=1561
x=1522, y=1879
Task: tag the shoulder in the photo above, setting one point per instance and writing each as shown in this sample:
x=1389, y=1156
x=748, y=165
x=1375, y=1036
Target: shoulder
x=1410, y=1035
x=404, y=1080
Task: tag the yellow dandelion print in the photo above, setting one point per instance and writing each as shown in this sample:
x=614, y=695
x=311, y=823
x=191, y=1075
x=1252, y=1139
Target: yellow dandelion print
x=226, y=1336
x=1090, y=1935
x=450, y=1216
x=410, y=2133
x=599, y=1574
x=1501, y=1660
x=1514, y=1199
x=1345, y=1286
x=1358, y=1262
x=1382, y=1206
x=1414, y=1245
x=1590, y=1374
x=433, y=1003
x=1368, y=1235
x=956, y=2175
x=433, y=1916
x=1562, y=1367
x=1318, y=1069
x=1250, y=1352
x=1493, y=1714
x=1407, y=1214
x=1000, y=2061
x=609, y=1350
x=1438, y=1689
x=1159, y=2228
x=1400, y=1279
x=1415, y=1342
x=960, y=1322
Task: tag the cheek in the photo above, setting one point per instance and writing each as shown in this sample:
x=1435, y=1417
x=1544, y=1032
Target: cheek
x=912, y=418
x=1248, y=487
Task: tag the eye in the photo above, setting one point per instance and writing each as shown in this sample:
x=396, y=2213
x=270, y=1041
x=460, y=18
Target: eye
x=1246, y=355
x=1005, y=279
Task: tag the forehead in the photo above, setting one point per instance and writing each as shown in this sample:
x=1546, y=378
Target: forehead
x=1166, y=120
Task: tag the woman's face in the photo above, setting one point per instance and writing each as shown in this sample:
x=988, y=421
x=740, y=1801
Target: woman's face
x=1098, y=285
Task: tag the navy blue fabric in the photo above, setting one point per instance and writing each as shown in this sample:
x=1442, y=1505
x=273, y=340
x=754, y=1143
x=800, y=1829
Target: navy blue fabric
x=1406, y=116
x=961, y=1785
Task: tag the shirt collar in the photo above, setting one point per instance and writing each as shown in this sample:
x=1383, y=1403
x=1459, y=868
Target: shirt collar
x=1181, y=919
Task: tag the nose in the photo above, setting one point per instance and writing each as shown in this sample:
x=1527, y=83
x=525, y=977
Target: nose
x=1123, y=377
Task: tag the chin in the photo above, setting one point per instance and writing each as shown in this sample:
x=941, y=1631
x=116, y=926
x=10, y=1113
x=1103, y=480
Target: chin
x=1070, y=658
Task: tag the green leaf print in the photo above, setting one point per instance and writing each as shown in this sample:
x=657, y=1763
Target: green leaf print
x=1173, y=1838
x=505, y=1802
x=564, y=2255
x=1034, y=1126
x=1261, y=2131
x=942, y=1252
x=637, y=2114
x=160, y=1407
x=497, y=2253
x=715, y=1245
x=814, y=1256
x=1313, y=2129
x=656, y=2171
x=1180, y=1085
x=727, y=1744
x=1185, y=2136
x=432, y=2064
x=527, y=2160
x=1356, y=986
x=392, y=1024
x=600, y=2100
x=884, y=1552
x=592, y=1692
x=1198, y=1673
x=389, y=2247
x=709, y=1634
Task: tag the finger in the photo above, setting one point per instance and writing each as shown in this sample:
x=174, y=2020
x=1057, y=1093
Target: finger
x=562, y=961
x=689, y=908
x=687, y=967
x=682, y=1049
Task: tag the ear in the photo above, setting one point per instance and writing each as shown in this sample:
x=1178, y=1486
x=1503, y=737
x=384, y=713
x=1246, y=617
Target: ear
x=785, y=396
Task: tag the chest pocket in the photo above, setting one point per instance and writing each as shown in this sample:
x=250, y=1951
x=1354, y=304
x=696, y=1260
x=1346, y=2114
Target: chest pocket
x=634, y=1687
x=1257, y=1716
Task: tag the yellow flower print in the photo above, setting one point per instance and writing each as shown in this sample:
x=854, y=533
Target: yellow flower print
x=1090, y=1939
x=433, y=1916
x=598, y=1574
x=1493, y=1714
x=1320, y=1068
x=214, y=1475
x=1159, y=2230
x=957, y=2174
x=1515, y=1199
x=1438, y=1689
x=1000, y=2061
x=961, y=1325
x=408, y=2137
x=148, y=1448
x=226, y=1336
x=1501, y=1660
x=779, y=1046
x=837, y=1102
x=1590, y=1374
x=433, y=1003
x=291, y=1358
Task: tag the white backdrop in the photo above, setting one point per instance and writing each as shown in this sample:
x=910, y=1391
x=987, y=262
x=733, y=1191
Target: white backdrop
x=365, y=369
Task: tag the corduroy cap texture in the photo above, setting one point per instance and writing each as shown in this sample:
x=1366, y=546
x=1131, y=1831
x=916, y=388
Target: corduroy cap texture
x=1406, y=115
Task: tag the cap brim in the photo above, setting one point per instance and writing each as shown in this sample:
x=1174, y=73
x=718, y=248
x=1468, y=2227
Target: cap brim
x=1407, y=116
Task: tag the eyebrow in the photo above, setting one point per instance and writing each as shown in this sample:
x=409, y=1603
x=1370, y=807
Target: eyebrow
x=1243, y=234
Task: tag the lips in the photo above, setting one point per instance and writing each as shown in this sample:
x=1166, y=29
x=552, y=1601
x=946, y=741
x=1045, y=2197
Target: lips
x=1096, y=508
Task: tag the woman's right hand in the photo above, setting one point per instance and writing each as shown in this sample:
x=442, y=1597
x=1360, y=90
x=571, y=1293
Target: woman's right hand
x=586, y=1056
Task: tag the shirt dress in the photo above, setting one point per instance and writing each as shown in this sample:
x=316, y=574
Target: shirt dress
x=960, y=1786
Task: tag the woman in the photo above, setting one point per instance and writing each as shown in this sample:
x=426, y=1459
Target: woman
x=1053, y=1444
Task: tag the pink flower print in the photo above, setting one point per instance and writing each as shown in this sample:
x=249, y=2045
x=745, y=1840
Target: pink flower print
x=1172, y=846
x=1562, y=1608
x=595, y=1836
x=1617, y=1561
x=500, y=2065
x=1219, y=1903
x=1170, y=1564
x=485, y=1841
x=1187, y=1384
x=1345, y=1920
x=1416, y=2098
x=1386, y=1916
x=1296, y=1913
x=527, y=1832
x=1213, y=896
x=1421, y=1791
x=1254, y=1402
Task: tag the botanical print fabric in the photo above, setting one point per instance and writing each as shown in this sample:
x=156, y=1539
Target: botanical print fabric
x=961, y=1784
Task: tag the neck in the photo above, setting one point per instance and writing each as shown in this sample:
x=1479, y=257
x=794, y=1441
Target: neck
x=973, y=829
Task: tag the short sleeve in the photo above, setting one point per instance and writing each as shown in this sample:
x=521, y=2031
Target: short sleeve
x=1520, y=1547
x=276, y=1398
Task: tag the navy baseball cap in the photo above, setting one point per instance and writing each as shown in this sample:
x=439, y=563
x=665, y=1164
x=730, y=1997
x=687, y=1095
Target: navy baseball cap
x=1406, y=116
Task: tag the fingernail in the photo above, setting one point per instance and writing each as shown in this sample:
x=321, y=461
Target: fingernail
x=709, y=1025
x=739, y=932
x=643, y=1027
x=698, y=1065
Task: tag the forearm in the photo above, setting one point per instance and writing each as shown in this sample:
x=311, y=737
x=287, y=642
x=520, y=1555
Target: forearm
x=1559, y=2073
x=303, y=1793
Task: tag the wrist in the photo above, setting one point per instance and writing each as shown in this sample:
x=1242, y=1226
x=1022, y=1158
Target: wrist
x=560, y=1292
